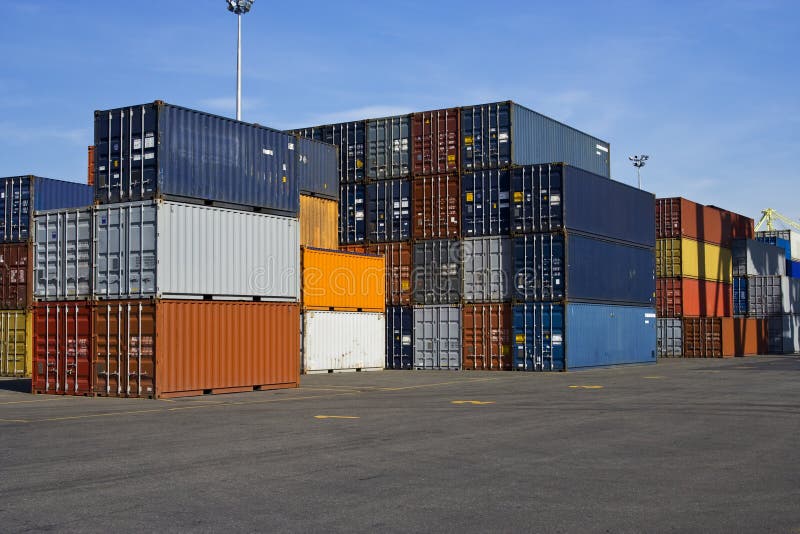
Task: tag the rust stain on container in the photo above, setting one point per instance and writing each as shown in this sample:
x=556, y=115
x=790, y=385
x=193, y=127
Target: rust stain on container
x=342, y=281
x=435, y=146
x=679, y=217
x=62, y=348
x=724, y=337
x=436, y=202
x=319, y=220
x=688, y=297
x=399, y=264
x=174, y=348
x=16, y=276
x=486, y=339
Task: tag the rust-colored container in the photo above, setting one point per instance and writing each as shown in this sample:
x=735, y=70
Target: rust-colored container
x=177, y=348
x=486, y=338
x=90, y=165
x=399, y=264
x=16, y=276
x=343, y=281
x=724, y=337
x=435, y=146
x=319, y=222
x=741, y=227
x=436, y=202
x=357, y=249
x=678, y=217
x=62, y=348
x=688, y=297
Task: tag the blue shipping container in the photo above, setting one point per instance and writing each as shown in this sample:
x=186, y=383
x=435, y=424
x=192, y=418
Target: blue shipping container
x=504, y=133
x=388, y=211
x=399, y=337
x=350, y=137
x=352, y=224
x=552, y=197
x=740, y=295
x=785, y=244
x=485, y=203
x=24, y=195
x=793, y=269
x=558, y=337
x=163, y=151
x=317, y=168
x=578, y=268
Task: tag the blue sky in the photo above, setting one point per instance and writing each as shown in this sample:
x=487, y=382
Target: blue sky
x=710, y=89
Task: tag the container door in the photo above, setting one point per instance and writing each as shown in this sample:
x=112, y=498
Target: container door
x=14, y=282
x=352, y=222
x=124, y=359
x=13, y=344
x=126, y=251
x=486, y=136
x=62, y=349
x=16, y=209
x=536, y=198
x=538, y=337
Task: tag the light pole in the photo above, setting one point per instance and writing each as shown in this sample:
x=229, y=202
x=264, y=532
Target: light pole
x=638, y=162
x=239, y=7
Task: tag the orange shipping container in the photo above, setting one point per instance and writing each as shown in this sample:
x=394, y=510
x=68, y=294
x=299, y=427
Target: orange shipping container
x=724, y=337
x=486, y=339
x=343, y=281
x=319, y=220
x=176, y=348
x=689, y=297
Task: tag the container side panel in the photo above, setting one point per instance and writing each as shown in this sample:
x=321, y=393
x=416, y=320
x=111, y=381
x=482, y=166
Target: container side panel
x=437, y=337
x=436, y=202
x=343, y=281
x=399, y=337
x=62, y=348
x=317, y=168
x=334, y=341
x=319, y=221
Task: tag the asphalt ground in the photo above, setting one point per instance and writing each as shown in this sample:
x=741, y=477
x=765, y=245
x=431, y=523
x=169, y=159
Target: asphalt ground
x=681, y=446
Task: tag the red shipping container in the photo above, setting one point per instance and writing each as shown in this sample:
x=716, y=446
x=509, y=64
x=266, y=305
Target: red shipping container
x=486, y=339
x=678, y=217
x=16, y=276
x=435, y=147
x=90, y=166
x=62, y=348
x=436, y=207
x=741, y=227
x=688, y=297
x=399, y=264
x=724, y=337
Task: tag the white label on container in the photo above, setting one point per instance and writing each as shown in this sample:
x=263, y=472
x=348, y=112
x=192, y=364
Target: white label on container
x=404, y=203
x=558, y=281
x=149, y=140
x=137, y=157
x=291, y=146
x=557, y=339
x=102, y=168
x=149, y=155
x=650, y=315
x=405, y=340
x=555, y=199
x=503, y=137
x=267, y=152
x=647, y=322
x=284, y=166
x=137, y=144
x=601, y=147
x=599, y=153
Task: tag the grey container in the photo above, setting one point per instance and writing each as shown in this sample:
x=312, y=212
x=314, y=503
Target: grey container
x=488, y=269
x=437, y=337
x=178, y=250
x=63, y=254
x=772, y=295
x=437, y=272
x=389, y=147
x=669, y=338
x=784, y=334
x=754, y=258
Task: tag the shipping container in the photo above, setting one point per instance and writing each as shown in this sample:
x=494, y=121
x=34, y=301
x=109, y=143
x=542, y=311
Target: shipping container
x=343, y=281
x=435, y=136
x=486, y=337
x=485, y=203
x=399, y=267
x=689, y=297
x=317, y=168
x=21, y=196
x=437, y=337
x=172, y=249
x=754, y=258
x=669, y=340
x=545, y=198
x=343, y=341
x=358, y=249
x=436, y=202
x=552, y=267
x=488, y=269
x=174, y=348
x=741, y=227
x=693, y=259
x=784, y=334
x=504, y=133
x=772, y=295
x=678, y=217
x=16, y=265
x=437, y=278
x=352, y=221
x=389, y=211
x=63, y=252
x=16, y=343
x=319, y=222
x=723, y=337
x=350, y=137
x=90, y=166
x=159, y=150
x=789, y=240
x=62, y=348
x=740, y=295
x=399, y=337
x=389, y=147
x=793, y=269
x=558, y=337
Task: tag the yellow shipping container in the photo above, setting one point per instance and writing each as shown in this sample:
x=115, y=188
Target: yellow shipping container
x=693, y=259
x=319, y=222
x=343, y=281
x=16, y=343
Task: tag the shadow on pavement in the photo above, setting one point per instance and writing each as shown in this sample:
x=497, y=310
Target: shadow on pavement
x=19, y=385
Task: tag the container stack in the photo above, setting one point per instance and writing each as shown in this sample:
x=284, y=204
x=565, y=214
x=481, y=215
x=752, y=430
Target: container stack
x=694, y=282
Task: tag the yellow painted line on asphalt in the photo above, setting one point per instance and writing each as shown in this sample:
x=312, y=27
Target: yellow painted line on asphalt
x=353, y=390
x=336, y=417
x=653, y=377
x=94, y=415
x=586, y=387
x=438, y=384
x=477, y=403
x=14, y=421
x=31, y=401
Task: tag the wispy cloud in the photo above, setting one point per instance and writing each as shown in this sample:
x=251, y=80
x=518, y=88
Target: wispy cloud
x=14, y=134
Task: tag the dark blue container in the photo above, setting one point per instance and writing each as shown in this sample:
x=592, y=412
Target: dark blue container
x=793, y=269
x=504, y=133
x=389, y=211
x=740, y=295
x=485, y=203
x=437, y=277
x=399, y=337
x=558, y=337
x=163, y=151
x=24, y=195
x=551, y=197
x=352, y=223
x=317, y=168
x=578, y=268
x=350, y=137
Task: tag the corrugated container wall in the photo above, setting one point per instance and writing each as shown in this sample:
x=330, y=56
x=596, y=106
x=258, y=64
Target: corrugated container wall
x=552, y=197
x=352, y=220
x=343, y=281
x=16, y=345
x=317, y=168
x=784, y=334
x=677, y=217
x=339, y=341
x=23, y=195
x=16, y=289
x=724, y=337
x=160, y=249
x=687, y=257
x=436, y=212
x=90, y=166
x=437, y=272
x=388, y=147
x=319, y=222
x=487, y=269
x=389, y=211
x=437, y=337
x=64, y=242
x=486, y=337
x=435, y=147
x=485, y=206
x=793, y=269
x=62, y=348
x=174, y=348
x=399, y=337
x=772, y=295
x=399, y=266
x=688, y=297
x=159, y=150
x=740, y=295
x=789, y=240
x=669, y=339
x=754, y=258
x=504, y=133
x=350, y=137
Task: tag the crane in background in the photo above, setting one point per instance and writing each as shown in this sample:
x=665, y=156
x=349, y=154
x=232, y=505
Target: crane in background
x=769, y=216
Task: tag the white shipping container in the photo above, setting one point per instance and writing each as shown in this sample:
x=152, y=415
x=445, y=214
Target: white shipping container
x=343, y=341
